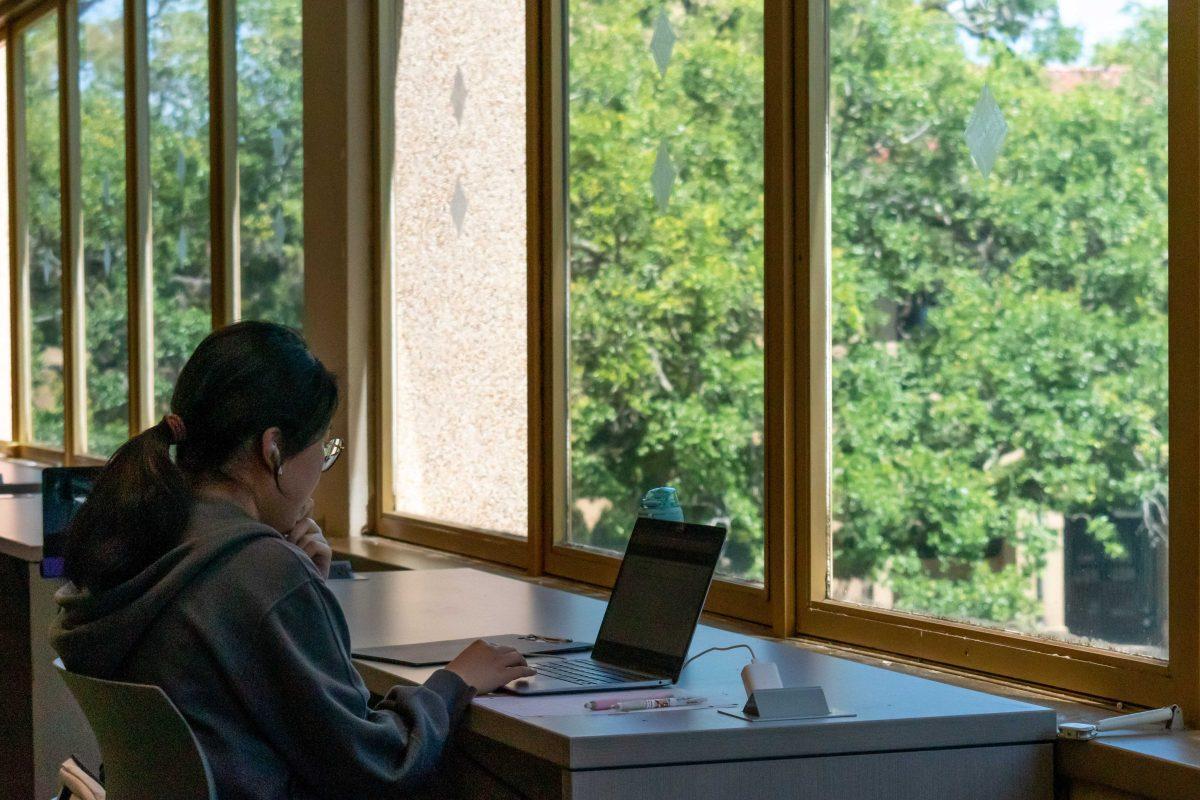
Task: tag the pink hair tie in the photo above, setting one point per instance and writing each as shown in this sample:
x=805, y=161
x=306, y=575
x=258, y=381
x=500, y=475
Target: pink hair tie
x=178, y=429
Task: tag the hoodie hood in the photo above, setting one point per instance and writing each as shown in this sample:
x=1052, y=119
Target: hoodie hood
x=94, y=633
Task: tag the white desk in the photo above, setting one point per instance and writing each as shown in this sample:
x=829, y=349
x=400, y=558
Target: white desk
x=911, y=737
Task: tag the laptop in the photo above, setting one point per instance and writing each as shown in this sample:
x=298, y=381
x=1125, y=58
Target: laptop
x=651, y=616
x=64, y=490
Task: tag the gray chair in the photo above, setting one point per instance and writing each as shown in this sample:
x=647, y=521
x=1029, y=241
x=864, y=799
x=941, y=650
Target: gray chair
x=149, y=751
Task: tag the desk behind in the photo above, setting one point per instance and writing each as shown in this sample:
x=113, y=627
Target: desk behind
x=973, y=743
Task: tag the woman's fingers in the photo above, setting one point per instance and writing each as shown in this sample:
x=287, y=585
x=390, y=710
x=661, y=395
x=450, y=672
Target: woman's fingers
x=311, y=540
x=519, y=671
x=510, y=657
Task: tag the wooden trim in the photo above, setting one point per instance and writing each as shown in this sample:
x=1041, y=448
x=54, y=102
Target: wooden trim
x=339, y=228
x=487, y=545
x=812, y=300
x=1183, y=119
x=32, y=452
x=13, y=12
x=1044, y=662
x=223, y=196
x=555, y=46
x=1035, y=660
x=540, y=82
x=75, y=433
x=18, y=172
x=139, y=246
x=22, y=358
x=385, y=31
x=778, y=313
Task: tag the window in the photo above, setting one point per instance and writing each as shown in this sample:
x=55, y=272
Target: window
x=999, y=326
x=883, y=288
x=459, y=392
x=114, y=180
x=270, y=160
x=999, y=323
x=102, y=162
x=177, y=34
x=665, y=292
x=42, y=234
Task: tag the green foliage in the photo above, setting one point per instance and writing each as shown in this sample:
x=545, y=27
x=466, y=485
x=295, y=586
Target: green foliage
x=269, y=97
x=998, y=345
x=44, y=242
x=666, y=371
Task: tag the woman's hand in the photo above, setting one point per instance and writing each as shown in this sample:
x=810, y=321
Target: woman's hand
x=306, y=535
x=486, y=667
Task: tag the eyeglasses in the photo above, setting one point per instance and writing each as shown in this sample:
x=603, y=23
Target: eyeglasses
x=332, y=449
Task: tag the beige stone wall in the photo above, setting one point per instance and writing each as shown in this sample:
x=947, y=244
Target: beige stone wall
x=460, y=397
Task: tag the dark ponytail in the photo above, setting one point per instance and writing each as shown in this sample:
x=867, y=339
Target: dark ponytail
x=240, y=381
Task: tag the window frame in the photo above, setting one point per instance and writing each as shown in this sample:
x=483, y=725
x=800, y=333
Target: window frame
x=224, y=215
x=542, y=551
x=1030, y=659
x=792, y=600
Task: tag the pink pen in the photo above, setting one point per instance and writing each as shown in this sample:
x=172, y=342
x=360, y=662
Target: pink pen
x=606, y=703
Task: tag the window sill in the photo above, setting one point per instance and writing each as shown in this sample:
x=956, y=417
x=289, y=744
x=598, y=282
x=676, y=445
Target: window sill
x=1160, y=765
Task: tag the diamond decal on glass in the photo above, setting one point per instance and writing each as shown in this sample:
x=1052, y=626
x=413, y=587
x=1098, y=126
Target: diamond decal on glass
x=662, y=43
x=458, y=206
x=663, y=177
x=277, y=146
x=986, y=131
x=279, y=228
x=458, y=95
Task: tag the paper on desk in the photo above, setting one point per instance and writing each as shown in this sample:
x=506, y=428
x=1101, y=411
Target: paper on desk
x=572, y=705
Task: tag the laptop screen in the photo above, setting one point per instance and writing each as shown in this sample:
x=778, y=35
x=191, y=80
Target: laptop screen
x=659, y=594
x=64, y=489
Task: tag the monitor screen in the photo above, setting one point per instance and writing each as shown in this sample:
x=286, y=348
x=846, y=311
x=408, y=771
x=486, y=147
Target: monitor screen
x=63, y=491
x=658, y=596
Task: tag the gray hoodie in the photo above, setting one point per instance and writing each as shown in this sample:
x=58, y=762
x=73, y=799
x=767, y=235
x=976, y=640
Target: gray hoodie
x=238, y=628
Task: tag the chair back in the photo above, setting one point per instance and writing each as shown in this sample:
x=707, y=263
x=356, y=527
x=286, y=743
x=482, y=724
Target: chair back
x=149, y=750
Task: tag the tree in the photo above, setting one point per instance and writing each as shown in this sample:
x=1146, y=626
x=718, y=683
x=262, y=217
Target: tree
x=999, y=344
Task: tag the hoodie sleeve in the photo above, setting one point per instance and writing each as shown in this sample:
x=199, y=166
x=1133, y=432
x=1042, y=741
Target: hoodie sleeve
x=311, y=704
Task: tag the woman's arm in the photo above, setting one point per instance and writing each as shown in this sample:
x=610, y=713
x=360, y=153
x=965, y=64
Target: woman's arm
x=312, y=705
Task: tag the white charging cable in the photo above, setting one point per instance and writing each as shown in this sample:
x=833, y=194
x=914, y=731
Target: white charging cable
x=755, y=676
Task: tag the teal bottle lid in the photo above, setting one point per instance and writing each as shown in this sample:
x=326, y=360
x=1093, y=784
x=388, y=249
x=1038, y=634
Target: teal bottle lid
x=661, y=503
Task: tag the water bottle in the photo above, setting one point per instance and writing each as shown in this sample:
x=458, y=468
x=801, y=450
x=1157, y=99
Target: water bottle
x=661, y=503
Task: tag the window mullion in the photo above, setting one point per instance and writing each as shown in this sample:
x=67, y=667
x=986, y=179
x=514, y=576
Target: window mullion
x=74, y=356
x=1183, y=297
x=226, y=249
x=779, y=275
x=18, y=238
x=139, y=250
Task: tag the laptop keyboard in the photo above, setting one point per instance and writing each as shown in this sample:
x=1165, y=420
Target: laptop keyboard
x=585, y=672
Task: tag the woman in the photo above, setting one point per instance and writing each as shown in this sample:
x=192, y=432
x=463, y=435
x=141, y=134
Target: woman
x=203, y=575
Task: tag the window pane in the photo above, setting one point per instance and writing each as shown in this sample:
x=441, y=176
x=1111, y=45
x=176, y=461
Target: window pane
x=999, y=328
x=102, y=180
x=44, y=231
x=270, y=160
x=459, y=265
x=6, y=397
x=179, y=170
x=666, y=268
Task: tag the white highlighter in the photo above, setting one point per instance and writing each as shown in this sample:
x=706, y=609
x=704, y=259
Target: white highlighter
x=1084, y=730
